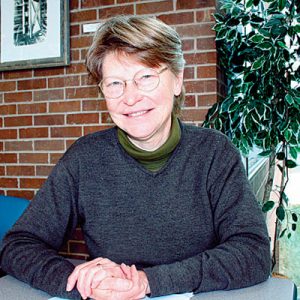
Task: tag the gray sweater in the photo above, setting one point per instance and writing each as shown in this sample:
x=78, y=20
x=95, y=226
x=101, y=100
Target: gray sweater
x=194, y=225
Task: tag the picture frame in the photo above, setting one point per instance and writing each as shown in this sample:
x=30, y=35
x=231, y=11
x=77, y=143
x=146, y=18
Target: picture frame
x=34, y=34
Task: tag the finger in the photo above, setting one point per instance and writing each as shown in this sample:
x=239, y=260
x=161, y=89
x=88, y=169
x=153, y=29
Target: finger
x=74, y=275
x=88, y=280
x=109, y=272
x=126, y=270
x=115, y=284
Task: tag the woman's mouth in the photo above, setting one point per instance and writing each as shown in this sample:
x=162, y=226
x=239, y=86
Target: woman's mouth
x=137, y=113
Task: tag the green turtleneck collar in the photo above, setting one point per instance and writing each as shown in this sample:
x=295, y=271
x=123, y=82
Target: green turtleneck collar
x=152, y=160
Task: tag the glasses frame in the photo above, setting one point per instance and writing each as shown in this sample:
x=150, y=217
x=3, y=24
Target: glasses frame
x=125, y=82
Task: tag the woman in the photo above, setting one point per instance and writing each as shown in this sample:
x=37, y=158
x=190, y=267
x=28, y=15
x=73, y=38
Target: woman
x=165, y=207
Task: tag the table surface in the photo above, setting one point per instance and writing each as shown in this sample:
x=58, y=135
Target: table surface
x=272, y=289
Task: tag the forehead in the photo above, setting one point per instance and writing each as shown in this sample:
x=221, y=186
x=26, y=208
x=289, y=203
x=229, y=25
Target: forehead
x=120, y=64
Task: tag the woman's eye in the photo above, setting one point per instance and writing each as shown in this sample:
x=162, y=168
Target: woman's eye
x=114, y=83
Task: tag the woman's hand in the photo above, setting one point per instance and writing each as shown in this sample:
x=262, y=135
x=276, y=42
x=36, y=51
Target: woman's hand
x=90, y=274
x=134, y=286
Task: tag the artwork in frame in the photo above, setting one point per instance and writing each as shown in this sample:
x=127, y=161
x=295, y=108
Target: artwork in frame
x=34, y=34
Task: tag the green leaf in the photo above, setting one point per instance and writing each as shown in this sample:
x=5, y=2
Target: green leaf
x=283, y=232
x=281, y=4
x=219, y=17
x=290, y=164
x=258, y=63
x=294, y=217
x=282, y=45
x=289, y=99
x=265, y=46
x=249, y=3
x=285, y=198
x=257, y=38
x=294, y=226
x=280, y=155
x=297, y=28
x=221, y=34
x=280, y=213
x=293, y=153
x=268, y=206
x=234, y=105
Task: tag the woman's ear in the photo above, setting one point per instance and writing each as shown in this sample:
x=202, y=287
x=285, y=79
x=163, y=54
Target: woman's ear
x=178, y=82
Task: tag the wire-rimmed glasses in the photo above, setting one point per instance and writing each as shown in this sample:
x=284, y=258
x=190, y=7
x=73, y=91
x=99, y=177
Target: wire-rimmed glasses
x=145, y=80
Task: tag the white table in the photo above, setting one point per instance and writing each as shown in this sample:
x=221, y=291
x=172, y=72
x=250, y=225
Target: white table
x=272, y=289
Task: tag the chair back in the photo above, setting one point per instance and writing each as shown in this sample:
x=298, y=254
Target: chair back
x=11, y=208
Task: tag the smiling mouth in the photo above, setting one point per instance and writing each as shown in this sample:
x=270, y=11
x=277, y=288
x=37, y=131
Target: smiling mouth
x=138, y=113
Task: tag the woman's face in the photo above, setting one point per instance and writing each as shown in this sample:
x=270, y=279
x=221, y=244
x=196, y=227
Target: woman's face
x=144, y=115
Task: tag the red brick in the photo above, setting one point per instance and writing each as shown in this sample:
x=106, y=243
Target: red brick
x=207, y=100
x=8, y=182
x=96, y=3
x=2, y=173
x=8, y=158
x=66, y=106
x=8, y=134
x=17, y=121
x=20, y=170
x=188, y=45
x=184, y=4
x=200, y=58
x=190, y=101
x=83, y=118
x=74, y=4
x=200, y=86
x=49, y=145
x=105, y=118
x=21, y=194
x=49, y=120
x=75, y=55
x=18, y=97
x=81, y=42
x=31, y=183
x=7, y=86
x=206, y=44
x=31, y=84
x=207, y=72
x=177, y=18
x=76, y=68
x=63, y=81
x=96, y=105
x=196, y=30
x=114, y=11
x=70, y=142
x=47, y=95
x=55, y=157
x=91, y=129
x=18, y=74
x=49, y=72
x=1, y=146
x=35, y=108
x=74, y=30
x=205, y=15
x=29, y=133
x=154, y=7
x=66, y=131
x=194, y=115
x=79, y=93
x=83, y=16
x=33, y=158
x=18, y=146
x=43, y=170
x=8, y=109
x=88, y=80
x=189, y=73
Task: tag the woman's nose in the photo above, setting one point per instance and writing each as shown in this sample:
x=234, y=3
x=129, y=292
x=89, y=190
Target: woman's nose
x=131, y=94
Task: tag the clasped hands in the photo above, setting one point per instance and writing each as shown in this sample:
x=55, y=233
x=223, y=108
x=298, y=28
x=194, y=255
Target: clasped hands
x=101, y=279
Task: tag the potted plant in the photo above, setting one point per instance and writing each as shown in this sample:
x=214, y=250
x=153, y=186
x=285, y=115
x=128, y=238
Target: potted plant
x=258, y=46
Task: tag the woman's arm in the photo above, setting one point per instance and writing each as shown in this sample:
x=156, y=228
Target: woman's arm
x=30, y=249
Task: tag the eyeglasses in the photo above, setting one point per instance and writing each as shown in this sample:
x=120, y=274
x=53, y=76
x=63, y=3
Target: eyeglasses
x=145, y=80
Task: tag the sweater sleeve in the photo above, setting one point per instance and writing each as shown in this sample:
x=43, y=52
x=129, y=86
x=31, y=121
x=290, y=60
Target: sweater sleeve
x=30, y=249
x=242, y=255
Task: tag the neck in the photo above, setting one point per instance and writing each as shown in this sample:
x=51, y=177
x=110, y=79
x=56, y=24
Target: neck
x=153, y=143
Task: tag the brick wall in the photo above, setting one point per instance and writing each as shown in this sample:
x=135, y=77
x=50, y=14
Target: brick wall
x=42, y=111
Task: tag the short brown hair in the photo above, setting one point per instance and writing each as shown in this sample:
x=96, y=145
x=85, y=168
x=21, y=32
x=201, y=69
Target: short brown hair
x=151, y=40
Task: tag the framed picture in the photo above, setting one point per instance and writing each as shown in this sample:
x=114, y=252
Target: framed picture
x=34, y=34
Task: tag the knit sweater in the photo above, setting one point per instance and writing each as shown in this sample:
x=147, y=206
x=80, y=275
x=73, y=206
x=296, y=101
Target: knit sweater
x=194, y=225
